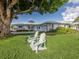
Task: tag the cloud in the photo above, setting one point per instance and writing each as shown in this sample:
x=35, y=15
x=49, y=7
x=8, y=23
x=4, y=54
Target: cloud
x=73, y=1
x=70, y=14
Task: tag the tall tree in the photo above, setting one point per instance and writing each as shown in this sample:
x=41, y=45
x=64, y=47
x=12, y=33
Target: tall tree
x=9, y=8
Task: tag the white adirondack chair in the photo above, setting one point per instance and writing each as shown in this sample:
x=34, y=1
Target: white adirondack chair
x=33, y=39
x=40, y=44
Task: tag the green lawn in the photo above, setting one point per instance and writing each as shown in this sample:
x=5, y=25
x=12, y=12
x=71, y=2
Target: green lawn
x=61, y=46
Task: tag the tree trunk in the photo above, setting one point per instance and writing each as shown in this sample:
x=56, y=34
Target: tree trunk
x=6, y=13
x=5, y=28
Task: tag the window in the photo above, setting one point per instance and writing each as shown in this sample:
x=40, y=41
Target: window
x=20, y=26
x=28, y=27
x=39, y=27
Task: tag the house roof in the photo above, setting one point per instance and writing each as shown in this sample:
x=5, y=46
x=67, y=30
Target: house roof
x=47, y=22
x=27, y=23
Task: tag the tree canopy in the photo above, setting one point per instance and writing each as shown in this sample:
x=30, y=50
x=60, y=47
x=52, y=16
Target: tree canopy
x=41, y=6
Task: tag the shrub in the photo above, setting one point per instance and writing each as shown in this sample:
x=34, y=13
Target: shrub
x=61, y=30
x=65, y=30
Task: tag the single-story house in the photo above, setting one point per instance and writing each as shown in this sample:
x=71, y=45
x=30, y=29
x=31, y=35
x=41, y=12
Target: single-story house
x=45, y=26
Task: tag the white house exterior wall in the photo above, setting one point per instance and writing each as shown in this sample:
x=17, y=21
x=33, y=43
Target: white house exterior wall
x=55, y=26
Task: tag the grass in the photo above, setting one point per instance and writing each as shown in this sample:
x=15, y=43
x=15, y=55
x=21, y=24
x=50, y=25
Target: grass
x=64, y=46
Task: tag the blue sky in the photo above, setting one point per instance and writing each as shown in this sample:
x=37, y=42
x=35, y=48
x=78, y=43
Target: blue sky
x=57, y=16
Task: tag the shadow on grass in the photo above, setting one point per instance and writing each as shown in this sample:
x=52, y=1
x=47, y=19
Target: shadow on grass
x=7, y=37
x=13, y=35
